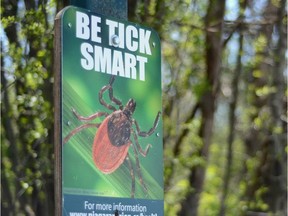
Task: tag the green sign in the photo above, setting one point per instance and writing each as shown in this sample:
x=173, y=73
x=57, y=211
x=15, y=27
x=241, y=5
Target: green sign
x=111, y=116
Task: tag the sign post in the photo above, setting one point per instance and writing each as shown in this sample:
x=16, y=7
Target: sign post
x=111, y=8
x=108, y=124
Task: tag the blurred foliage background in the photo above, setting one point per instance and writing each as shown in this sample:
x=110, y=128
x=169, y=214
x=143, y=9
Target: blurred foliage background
x=224, y=81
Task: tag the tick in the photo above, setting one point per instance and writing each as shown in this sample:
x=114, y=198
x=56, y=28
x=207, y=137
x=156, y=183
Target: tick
x=113, y=137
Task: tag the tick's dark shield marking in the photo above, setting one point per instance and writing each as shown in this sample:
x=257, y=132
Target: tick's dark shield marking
x=112, y=139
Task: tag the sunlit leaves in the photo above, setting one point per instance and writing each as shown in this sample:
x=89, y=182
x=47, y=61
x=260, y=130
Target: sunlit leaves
x=33, y=23
x=265, y=91
x=7, y=21
x=260, y=43
x=28, y=70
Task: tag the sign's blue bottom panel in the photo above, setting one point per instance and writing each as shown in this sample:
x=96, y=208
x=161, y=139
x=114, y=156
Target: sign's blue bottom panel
x=82, y=205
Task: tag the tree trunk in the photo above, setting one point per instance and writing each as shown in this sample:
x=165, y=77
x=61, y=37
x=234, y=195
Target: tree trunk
x=266, y=143
x=277, y=178
x=214, y=45
x=8, y=123
x=232, y=121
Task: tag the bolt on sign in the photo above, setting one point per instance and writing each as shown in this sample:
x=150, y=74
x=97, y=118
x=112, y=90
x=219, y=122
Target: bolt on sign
x=108, y=124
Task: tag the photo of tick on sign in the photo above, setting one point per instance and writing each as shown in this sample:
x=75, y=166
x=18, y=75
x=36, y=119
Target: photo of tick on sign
x=113, y=138
x=111, y=108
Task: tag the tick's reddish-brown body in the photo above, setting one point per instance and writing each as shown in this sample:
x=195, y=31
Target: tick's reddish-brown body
x=108, y=157
x=113, y=137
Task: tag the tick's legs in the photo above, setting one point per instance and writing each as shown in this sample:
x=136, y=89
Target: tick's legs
x=140, y=150
x=91, y=117
x=108, y=106
x=111, y=96
x=139, y=170
x=76, y=130
x=132, y=175
x=82, y=118
x=148, y=133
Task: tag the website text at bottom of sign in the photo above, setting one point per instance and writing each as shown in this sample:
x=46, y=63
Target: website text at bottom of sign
x=93, y=213
x=108, y=214
x=109, y=209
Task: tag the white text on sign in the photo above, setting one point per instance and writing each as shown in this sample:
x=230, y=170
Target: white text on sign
x=130, y=57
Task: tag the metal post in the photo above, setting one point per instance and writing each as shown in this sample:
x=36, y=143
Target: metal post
x=112, y=8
